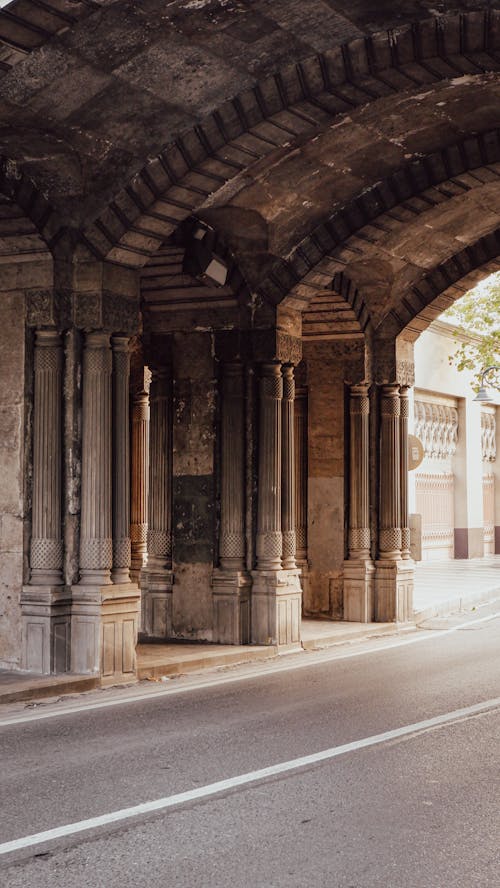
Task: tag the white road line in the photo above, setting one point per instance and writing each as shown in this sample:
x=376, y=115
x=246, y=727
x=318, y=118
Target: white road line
x=212, y=681
x=213, y=789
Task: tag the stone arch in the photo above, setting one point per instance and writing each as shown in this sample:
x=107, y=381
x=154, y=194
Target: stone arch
x=281, y=112
x=426, y=183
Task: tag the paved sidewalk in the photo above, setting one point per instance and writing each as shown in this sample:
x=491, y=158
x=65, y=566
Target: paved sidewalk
x=443, y=587
x=440, y=588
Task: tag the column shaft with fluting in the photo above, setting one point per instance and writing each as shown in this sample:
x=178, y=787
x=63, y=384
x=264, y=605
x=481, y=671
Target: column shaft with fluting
x=46, y=556
x=139, y=481
x=232, y=519
x=300, y=424
x=269, y=535
x=390, y=474
x=121, y=460
x=160, y=473
x=96, y=544
x=403, y=432
x=288, y=469
x=359, y=474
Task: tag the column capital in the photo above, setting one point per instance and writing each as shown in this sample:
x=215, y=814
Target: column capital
x=120, y=342
x=390, y=404
x=47, y=337
x=97, y=339
x=271, y=381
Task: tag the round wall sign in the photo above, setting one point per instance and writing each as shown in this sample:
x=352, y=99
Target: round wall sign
x=416, y=452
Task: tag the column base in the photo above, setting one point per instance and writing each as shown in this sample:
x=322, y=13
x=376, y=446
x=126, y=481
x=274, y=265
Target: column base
x=231, y=606
x=276, y=608
x=156, y=605
x=46, y=629
x=394, y=582
x=104, y=622
x=359, y=593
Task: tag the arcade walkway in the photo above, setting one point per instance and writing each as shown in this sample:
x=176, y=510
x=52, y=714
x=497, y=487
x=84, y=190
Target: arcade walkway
x=440, y=588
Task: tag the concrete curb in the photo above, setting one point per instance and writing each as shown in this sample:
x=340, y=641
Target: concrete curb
x=28, y=688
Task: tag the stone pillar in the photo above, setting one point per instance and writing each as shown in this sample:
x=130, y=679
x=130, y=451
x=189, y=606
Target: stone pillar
x=231, y=582
x=121, y=461
x=104, y=614
x=96, y=535
x=288, y=470
x=156, y=577
x=276, y=596
x=403, y=435
x=359, y=569
x=139, y=483
x=300, y=444
x=393, y=578
x=45, y=602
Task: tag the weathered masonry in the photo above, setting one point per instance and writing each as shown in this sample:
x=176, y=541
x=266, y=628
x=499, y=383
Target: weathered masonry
x=223, y=227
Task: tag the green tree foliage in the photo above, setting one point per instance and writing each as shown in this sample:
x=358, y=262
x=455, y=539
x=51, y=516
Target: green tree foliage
x=477, y=316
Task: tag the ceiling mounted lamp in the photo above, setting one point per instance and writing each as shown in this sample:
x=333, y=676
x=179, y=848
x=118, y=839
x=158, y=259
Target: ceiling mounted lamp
x=483, y=395
x=200, y=259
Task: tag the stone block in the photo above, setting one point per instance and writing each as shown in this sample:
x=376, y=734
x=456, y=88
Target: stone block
x=46, y=629
x=276, y=608
x=394, y=581
x=231, y=602
x=156, y=604
x=359, y=602
x=104, y=628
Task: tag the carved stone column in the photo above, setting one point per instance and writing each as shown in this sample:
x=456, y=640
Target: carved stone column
x=288, y=470
x=139, y=483
x=359, y=569
x=156, y=577
x=300, y=423
x=403, y=434
x=104, y=614
x=121, y=461
x=231, y=582
x=390, y=468
x=393, y=583
x=276, y=596
x=96, y=535
x=45, y=603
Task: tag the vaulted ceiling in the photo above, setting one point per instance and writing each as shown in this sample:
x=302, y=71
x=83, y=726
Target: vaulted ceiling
x=345, y=153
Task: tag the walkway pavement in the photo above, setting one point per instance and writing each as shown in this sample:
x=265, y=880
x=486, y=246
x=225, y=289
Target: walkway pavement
x=440, y=588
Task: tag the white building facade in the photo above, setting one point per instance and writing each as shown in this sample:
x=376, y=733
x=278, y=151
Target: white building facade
x=455, y=492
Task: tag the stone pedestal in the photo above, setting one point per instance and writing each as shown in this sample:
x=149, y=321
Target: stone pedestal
x=230, y=582
x=231, y=597
x=359, y=592
x=46, y=634
x=104, y=627
x=156, y=576
x=276, y=608
x=394, y=582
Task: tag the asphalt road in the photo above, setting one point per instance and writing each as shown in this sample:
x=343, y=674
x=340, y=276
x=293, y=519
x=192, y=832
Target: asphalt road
x=408, y=811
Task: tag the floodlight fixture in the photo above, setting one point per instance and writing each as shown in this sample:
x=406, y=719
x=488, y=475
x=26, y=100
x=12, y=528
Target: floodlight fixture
x=200, y=259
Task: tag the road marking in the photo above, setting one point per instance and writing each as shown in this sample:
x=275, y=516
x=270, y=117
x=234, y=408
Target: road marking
x=213, y=681
x=213, y=789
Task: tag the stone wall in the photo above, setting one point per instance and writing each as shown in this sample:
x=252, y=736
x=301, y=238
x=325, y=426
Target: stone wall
x=14, y=449
x=193, y=520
